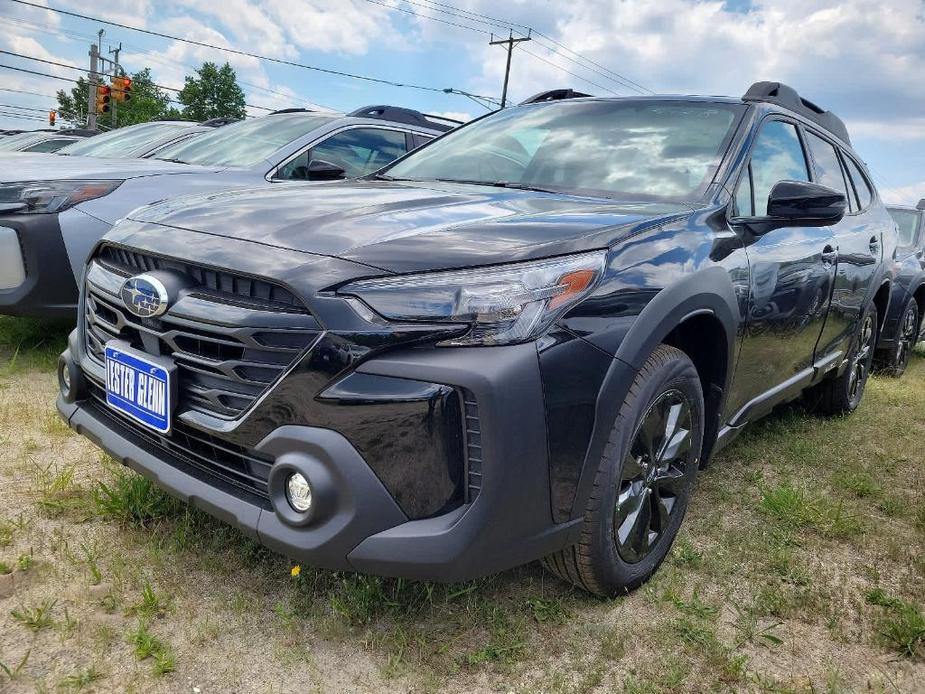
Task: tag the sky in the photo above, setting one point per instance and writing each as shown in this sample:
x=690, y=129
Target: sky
x=864, y=60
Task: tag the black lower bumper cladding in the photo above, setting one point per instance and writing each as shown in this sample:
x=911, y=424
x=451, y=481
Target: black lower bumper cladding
x=357, y=524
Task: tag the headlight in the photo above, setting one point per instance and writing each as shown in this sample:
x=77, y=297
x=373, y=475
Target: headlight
x=51, y=196
x=502, y=304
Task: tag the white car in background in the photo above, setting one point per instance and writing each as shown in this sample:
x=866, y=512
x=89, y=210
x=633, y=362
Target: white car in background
x=54, y=209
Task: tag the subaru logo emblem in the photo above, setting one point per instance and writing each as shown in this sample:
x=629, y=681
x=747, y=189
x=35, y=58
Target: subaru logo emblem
x=144, y=296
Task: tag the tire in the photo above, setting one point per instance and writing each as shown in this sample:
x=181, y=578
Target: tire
x=895, y=363
x=843, y=394
x=609, y=559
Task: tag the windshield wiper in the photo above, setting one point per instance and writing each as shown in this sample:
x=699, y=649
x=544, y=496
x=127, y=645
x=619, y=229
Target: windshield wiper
x=502, y=184
x=174, y=161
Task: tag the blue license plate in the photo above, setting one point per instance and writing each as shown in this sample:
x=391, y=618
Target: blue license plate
x=140, y=386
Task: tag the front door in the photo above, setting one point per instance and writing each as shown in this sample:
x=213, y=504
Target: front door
x=791, y=271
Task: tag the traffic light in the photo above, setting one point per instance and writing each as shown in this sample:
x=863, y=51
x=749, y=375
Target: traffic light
x=121, y=88
x=103, y=98
x=52, y=115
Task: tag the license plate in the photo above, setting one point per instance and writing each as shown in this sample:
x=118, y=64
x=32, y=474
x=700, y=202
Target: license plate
x=140, y=386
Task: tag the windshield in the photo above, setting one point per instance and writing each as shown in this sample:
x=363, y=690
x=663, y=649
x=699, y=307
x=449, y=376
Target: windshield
x=628, y=149
x=908, y=223
x=245, y=143
x=124, y=143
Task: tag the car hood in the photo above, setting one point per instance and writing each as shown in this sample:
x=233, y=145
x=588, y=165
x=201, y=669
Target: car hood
x=26, y=166
x=407, y=227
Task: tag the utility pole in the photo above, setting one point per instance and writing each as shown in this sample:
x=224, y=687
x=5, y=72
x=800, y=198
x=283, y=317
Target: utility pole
x=115, y=73
x=510, y=42
x=91, y=97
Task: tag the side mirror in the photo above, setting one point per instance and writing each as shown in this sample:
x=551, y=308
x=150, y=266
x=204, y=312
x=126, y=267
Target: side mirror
x=801, y=203
x=321, y=170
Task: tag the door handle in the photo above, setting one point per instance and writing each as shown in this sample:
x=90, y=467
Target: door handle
x=874, y=246
x=829, y=255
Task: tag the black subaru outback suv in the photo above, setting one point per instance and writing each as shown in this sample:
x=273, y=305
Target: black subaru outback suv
x=519, y=342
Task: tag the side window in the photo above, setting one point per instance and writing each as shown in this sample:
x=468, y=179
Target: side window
x=358, y=152
x=907, y=223
x=777, y=156
x=419, y=140
x=827, y=166
x=860, y=183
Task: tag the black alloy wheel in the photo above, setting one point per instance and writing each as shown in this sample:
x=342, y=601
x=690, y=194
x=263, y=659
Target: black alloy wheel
x=863, y=356
x=906, y=340
x=643, y=482
x=653, y=476
x=843, y=392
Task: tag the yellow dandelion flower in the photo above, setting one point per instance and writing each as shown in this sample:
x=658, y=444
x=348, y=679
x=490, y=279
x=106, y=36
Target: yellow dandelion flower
x=296, y=570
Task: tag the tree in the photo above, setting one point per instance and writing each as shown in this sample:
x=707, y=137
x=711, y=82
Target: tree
x=148, y=103
x=212, y=93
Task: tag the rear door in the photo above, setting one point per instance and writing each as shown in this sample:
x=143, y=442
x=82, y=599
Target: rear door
x=858, y=239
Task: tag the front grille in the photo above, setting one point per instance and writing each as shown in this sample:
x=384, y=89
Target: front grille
x=229, y=349
x=215, y=282
x=235, y=465
x=473, y=434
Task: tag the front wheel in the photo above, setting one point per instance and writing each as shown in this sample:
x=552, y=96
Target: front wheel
x=843, y=394
x=643, y=482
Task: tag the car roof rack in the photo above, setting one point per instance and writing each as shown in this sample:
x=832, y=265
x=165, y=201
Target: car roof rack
x=219, y=122
x=397, y=114
x=290, y=110
x=79, y=132
x=921, y=205
x=554, y=95
x=783, y=95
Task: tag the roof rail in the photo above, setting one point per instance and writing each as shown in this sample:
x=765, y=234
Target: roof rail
x=434, y=116
x=397, y=114
x=554, y=95
x=782, y=95
x=290, y=110
x=219, y=122
x=921, y=205
x=79, y=132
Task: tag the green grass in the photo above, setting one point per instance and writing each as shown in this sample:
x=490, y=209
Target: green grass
x=146, y=645
x=35, y=618
x=901, y=625
x=31, y=344
x=800, y=508
x=133, y=500
x=81, y=680
x=151, y=604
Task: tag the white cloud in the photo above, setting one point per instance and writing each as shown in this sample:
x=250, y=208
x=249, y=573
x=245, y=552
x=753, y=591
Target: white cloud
x=858, y=58
x=904, y=195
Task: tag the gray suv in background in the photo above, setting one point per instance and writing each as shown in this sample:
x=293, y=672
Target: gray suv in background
x=54, y=209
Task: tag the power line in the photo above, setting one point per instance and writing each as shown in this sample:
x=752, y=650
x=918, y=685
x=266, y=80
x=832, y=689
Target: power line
x=606, y=73
x=40, y=74
x=80, y=69
x=573, y=74
x=23, y=91
x=248, y=54
x=579, y=59
x=26, y=108
x=435, y=19
x=44, y=28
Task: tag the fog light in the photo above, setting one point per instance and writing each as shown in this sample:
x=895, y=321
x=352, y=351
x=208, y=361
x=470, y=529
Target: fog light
x=298, y=492
x=65, y=379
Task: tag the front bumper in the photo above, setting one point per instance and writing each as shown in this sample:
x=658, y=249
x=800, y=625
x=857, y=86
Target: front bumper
x=36, y=278
x=361, y=527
